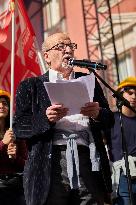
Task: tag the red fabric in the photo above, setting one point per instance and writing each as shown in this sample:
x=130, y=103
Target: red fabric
x=3, y=147
x=26, y=61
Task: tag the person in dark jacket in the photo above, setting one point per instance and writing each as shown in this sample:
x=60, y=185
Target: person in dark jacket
x=127, y=88
x=67, y=161
x=12, y=158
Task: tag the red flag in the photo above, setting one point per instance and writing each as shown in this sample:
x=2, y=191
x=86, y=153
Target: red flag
x=5, y=18
x=26, y=60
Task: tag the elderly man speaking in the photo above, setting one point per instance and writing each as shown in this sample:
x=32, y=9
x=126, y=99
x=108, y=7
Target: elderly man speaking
x=67, y=161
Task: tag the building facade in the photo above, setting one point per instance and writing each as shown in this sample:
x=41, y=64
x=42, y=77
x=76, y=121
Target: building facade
x=104, y=30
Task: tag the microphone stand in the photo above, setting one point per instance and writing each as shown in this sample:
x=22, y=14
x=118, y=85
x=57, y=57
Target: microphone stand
x=125, y=151
x=120, y=102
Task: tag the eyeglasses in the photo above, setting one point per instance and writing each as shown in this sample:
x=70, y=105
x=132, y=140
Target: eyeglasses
x=62, y=46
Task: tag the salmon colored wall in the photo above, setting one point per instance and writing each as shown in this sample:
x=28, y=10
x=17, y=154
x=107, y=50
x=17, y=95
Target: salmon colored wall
x=75, y=27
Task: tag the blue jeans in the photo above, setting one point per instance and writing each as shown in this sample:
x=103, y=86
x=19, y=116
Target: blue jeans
x=123, y=195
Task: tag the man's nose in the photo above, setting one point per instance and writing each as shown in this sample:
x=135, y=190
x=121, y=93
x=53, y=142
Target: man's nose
x=68, y=49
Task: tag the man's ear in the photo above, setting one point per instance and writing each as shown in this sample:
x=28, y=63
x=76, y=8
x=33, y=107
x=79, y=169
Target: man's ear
x=46, y=58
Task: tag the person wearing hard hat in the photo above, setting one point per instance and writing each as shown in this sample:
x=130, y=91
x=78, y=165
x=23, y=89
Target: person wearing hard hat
x=119, y=179
x=11, y=189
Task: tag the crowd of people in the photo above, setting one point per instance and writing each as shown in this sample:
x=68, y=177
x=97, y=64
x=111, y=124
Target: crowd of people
x=52, y=158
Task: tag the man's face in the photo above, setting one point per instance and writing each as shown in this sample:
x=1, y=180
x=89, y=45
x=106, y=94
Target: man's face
x=130, y=95
x=60, y=51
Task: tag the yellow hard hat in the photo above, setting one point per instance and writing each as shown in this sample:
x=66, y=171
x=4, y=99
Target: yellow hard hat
x=128, y=82
x=4, y=93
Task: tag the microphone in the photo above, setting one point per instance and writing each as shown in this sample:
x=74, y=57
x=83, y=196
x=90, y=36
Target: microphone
x=87, y=64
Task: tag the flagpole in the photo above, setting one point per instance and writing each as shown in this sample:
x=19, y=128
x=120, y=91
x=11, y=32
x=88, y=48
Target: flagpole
x=12, y=7
x=40, y=57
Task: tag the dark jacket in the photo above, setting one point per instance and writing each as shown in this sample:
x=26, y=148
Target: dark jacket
x=31, y=123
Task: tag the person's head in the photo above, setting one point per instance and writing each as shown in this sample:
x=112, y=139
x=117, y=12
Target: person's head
x=128, y=89
x=57, y=50
x=4, y=107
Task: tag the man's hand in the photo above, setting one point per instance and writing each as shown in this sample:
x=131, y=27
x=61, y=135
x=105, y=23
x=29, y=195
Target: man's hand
x=12, y=149
x=91, y=109
x=56, y=112
x=8, y=137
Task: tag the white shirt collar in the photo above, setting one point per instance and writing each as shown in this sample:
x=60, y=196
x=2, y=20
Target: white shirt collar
x=55, y=75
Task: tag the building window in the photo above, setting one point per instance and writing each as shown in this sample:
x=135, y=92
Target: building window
x=53, y=13
x=126, y=67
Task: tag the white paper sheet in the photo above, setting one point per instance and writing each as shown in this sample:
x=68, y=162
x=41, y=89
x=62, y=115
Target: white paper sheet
x=73, y=94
